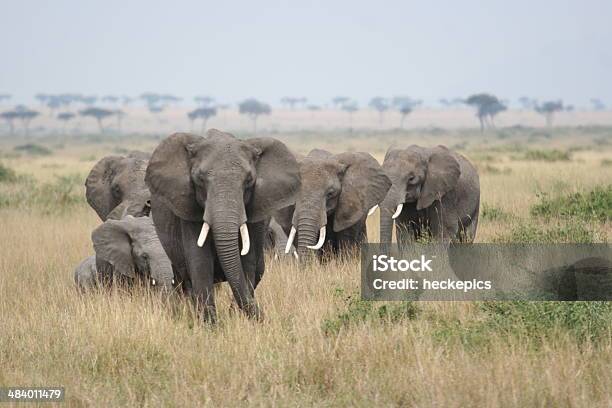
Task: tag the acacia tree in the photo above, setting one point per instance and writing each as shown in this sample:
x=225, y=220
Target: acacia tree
x=350, y=107
x=9, y=117
x=119, y=114
x=254, y=108
x=112, y=99
x=381, y=105
x=97, y=113
x=598, y=104
x=548, y=109
x=340, y=101
x=202, y=113
x=405, y=106
x=204, y=100
x=26, y=116
x=487, y=106
x=65, y=117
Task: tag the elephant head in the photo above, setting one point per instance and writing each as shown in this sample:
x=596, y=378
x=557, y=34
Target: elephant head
x=115, y=187
x=345, y=187
x=223, y=182
x=420, y=176
x=129, y=248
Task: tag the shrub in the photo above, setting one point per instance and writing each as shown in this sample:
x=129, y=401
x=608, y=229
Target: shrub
x=360, y=311
x=594, y=205
x=7, y=175
x=606, y=163
x=545, y=155
x=493, y=213
x=536, y=321
x=575, y=232
x=33, y=149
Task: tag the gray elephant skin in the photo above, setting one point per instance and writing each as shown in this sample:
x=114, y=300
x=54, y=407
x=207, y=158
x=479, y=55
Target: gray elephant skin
x=127, y=250
x=115, y=186
x=211, y=198
x=435, y=193
x=335, y=198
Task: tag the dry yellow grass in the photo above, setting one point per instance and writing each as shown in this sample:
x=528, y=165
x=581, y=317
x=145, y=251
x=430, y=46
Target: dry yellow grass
x=136, y=349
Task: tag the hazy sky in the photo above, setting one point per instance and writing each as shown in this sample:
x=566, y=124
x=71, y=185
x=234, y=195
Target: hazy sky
x=268, y=49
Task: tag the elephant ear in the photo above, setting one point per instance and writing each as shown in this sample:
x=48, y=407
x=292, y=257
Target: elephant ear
x=113, y=245
x=443, y=173
x=169, y=176
x=278, y=179
x=364, y=185
x=98, y=185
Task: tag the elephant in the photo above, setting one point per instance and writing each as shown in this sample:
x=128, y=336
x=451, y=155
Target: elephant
x=115, y=186
x=276, y=240
x=126, y=250
x=226, y=186
x=435, y=193
x=338, y=193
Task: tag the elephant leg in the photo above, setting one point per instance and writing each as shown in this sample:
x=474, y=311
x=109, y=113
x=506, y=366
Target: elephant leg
x=200, y=269
x=443, y=222
x=253, y=263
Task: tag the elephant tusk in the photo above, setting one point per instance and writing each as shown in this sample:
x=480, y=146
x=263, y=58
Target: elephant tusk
x=321, y=239
x=372, y=210
x=290, y=239
x=398, y=211
x=295, y=255
x=203, y=234
x=246, y=242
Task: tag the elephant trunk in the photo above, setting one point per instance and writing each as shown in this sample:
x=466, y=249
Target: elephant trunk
x=227, y=225
x=308, y=233
x=388, y=209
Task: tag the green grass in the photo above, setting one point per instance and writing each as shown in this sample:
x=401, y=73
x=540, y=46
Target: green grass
x=545, y=155
x=33, y=149
x=7, y=175
x=491, y=213
x=534, y=321
x=572, y=232
x=356, y=311
x=592, y=205
x=57, y=196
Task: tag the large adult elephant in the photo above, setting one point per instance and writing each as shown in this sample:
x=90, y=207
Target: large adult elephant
x=206, y=193
x=338, y=193
x=126, y=250
x=435, y=193
x=115, y=186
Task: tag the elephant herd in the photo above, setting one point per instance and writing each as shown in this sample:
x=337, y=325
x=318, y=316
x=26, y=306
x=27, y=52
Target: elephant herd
x=202, y=210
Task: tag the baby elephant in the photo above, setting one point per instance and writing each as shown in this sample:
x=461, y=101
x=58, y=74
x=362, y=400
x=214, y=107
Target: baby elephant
x=435, y=192
x=126, y=250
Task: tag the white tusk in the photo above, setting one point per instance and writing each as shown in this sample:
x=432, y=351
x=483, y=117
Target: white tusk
x=295, y=255
x=321, y=239
x=246, y=242
x=153, y=282
x=290, y=239
x=398, y=211
x=203, y=234
x=372, y=210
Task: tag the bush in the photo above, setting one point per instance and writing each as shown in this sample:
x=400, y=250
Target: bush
x=7, y=175
x=594, y=205
x=536, y=321
x=54, y=197
x=493, y=213
x=33, y=149
x=545, y=155
x=360, y=311
x=575, y=232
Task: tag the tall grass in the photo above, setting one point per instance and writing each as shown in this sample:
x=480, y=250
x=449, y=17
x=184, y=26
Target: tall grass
x=319, y=344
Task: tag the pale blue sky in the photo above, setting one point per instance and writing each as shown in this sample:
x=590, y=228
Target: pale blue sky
x=268, y=49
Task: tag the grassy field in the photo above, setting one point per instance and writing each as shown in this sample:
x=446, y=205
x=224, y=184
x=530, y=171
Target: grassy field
x=319, y=345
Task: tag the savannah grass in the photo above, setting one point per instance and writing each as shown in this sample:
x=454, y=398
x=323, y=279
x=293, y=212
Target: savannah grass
x=319, y=344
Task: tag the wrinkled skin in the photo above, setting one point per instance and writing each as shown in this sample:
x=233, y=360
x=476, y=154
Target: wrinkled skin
x=227, y=187
x=115, y=186
x=126, y=250
x=276, y=240
x=336, y=194
x=440, y=193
